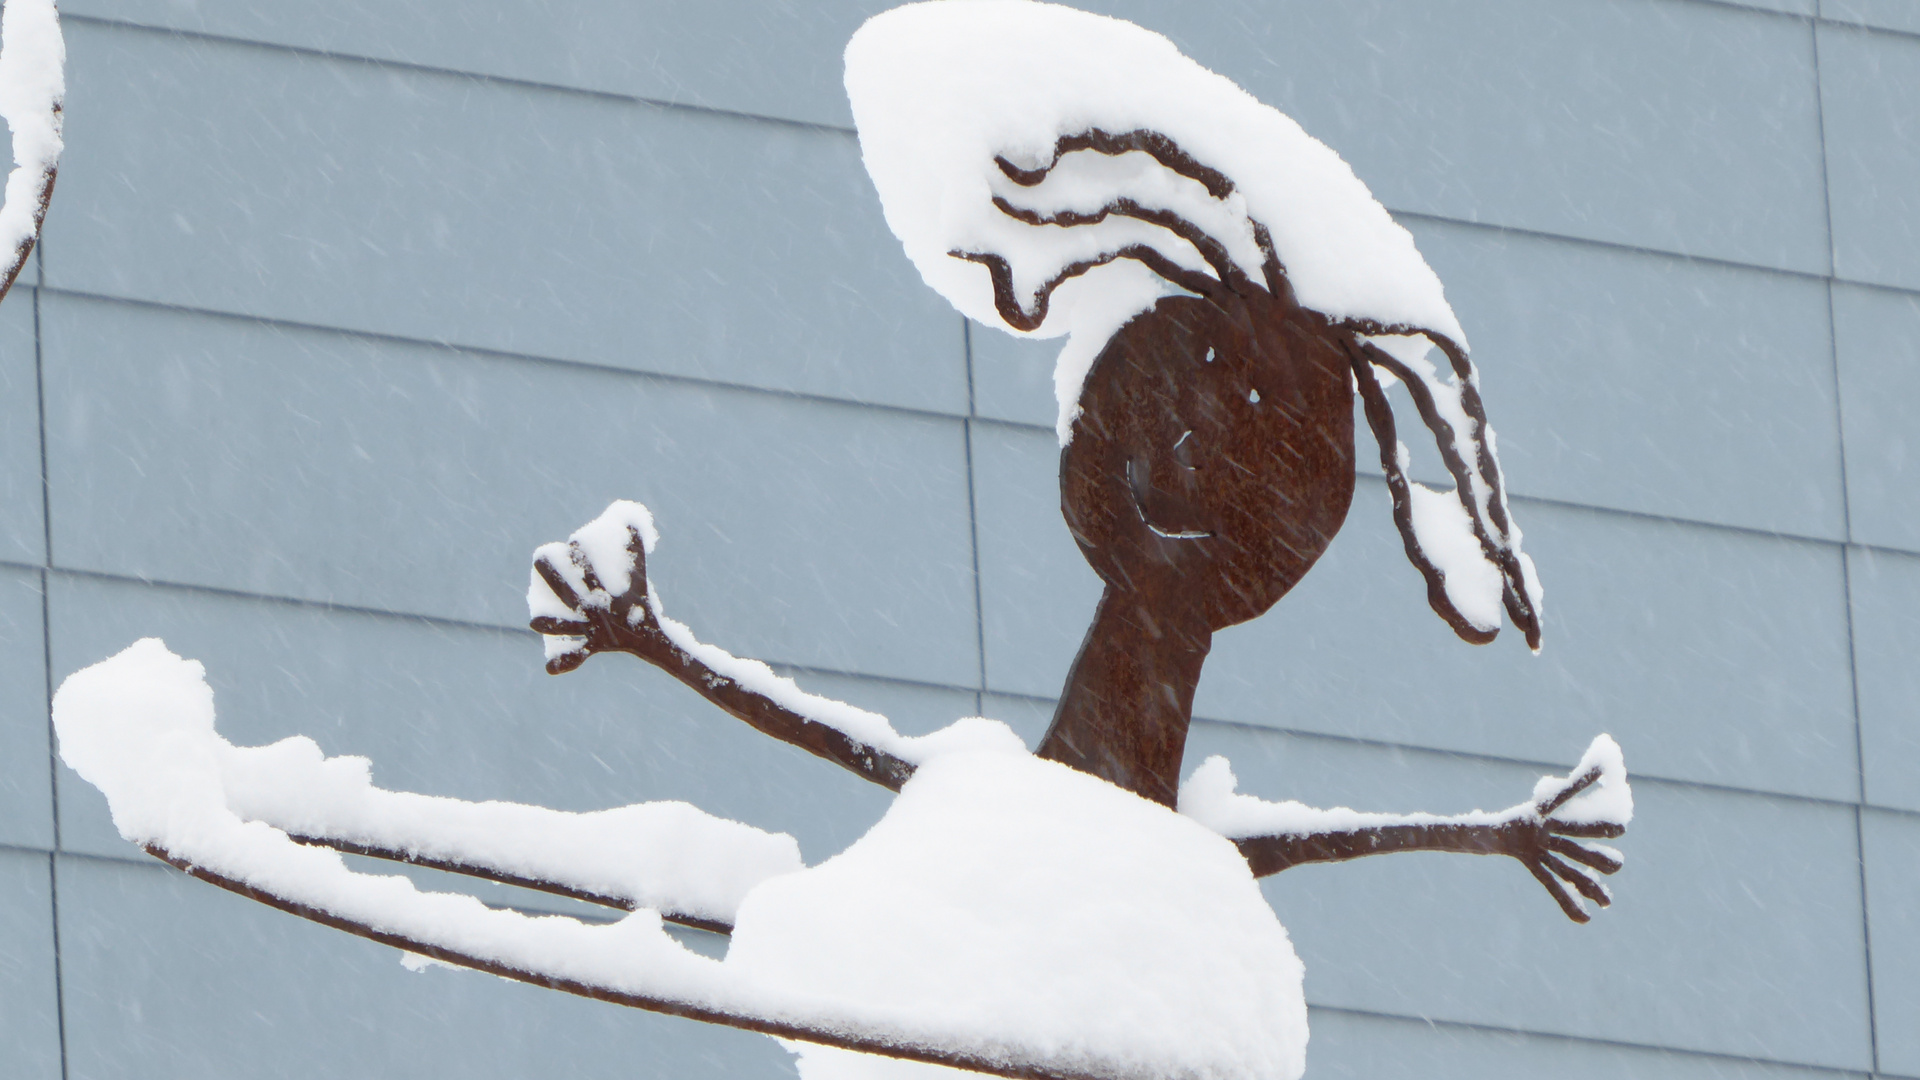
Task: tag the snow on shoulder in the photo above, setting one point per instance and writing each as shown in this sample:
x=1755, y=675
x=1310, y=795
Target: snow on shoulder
x=940, y=90
x=1013, y=901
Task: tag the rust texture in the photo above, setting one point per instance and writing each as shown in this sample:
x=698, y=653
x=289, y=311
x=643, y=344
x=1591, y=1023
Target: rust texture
x=1211, y=465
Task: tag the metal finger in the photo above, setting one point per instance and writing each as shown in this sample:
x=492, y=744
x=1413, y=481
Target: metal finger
x=1584, y=855
x=637, y=547
x=1568, y=903
x=1574, y=787
x=1596, y=830
x=579, y=557
x=543, y=566
x=566, y=662
x=1573, y=876
x=547, y=624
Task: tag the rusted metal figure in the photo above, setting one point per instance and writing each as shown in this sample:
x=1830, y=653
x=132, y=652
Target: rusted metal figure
x=1210, y=467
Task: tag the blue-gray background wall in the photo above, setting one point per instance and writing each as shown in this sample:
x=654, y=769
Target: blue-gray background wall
x=344, y=307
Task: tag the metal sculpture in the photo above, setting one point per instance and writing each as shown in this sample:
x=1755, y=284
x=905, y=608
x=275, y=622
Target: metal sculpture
x=1210, y=467
x=1207, y=464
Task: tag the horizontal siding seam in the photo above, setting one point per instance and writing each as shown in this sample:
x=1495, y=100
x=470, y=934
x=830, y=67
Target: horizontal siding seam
x=1709, y=1055
x=614, y=96
x=485, y=353
x=457, y=73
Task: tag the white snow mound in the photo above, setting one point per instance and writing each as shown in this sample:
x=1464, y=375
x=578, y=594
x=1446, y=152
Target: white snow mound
x=1014, y=901
x=940, y=89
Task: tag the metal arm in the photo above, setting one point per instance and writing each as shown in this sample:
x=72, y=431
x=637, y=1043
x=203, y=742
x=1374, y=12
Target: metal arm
x=630, y=622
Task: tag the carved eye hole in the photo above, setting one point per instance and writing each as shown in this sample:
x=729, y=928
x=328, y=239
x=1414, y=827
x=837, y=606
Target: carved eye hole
x=1253, y=396
x=1209, y=354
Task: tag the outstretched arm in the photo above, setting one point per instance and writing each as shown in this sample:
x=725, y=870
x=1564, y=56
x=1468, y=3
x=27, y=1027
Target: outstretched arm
x=140, y=727
x=591, y=595
x=1593, y=802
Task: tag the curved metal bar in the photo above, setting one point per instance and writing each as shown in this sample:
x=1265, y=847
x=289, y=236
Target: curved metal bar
x=1500, y=552
x=1008, y=305
x=18, y=261
x=1155, y=145
x=487, y=873
x=1210, y=249
x=784, y=1029
x=1380, y=418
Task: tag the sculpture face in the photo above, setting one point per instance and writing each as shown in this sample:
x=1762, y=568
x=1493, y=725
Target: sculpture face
x=1213, y=461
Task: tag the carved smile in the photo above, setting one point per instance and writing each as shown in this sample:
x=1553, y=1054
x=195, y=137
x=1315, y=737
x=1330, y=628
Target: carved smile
x=1142, y=492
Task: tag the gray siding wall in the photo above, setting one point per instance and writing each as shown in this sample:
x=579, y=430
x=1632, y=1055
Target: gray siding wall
x=344, y=307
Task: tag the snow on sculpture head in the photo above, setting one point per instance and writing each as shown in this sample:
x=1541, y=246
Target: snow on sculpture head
x=941, y=89
x=1053, y=172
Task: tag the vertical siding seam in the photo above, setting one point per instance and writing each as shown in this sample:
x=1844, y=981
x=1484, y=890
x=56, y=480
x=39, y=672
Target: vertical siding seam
x=1820, y=132
x=46, y=667
x=973, y=527
x=1846, y=554
x=59, y=980
x=46, y=562
x=1833, y=324
x=1866, y=937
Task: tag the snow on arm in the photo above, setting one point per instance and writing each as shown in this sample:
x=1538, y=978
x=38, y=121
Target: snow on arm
x=139, y=726
x=668, y=856
x=1210, y=796
x=603, y=544
x=32, y=86
x=147, y=706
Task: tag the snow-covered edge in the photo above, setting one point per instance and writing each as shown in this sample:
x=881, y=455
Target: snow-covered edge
x=33, y=58
x=1210, y=796
x=140, y=727
x=1474, y=582
x=939, y=89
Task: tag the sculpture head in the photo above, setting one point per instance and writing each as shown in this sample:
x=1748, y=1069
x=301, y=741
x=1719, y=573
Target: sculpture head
x=1212, y=461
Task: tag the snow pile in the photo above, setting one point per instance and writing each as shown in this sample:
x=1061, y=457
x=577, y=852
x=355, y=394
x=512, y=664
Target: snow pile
x=939, y=90
x=1016, y=902
x=140, y=727
x=1608, y=801
x=668, y=856
x=664, y=855
x=33, y=60
x=1446, y=536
